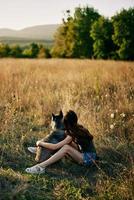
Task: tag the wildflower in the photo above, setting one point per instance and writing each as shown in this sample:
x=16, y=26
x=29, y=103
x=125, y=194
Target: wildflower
x=22, y=137
x=14, y=120
x=106, y=95
x=98, y=108
x=112, y=126
x=112, y=115
x=123, y=115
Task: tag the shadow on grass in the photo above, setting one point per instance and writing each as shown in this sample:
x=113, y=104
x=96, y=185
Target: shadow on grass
x=113, y=162
x=62, y=174
x=66, y=169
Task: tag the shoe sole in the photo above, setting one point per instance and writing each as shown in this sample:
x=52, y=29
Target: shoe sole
x=31, y=151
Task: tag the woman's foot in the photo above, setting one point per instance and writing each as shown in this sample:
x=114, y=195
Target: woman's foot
x=35, y=170
x=32, y=149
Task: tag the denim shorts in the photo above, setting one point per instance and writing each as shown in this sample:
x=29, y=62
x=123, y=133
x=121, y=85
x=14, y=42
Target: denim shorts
x=89, y=158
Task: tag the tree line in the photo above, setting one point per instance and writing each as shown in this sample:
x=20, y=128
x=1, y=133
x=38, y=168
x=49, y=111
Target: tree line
x=33, y=50
x=85, y=34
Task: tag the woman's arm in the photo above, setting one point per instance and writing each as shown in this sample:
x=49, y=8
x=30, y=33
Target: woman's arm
x=51, y=146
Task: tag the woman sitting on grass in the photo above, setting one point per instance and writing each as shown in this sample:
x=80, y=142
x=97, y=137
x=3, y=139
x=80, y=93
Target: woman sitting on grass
x=76, y=134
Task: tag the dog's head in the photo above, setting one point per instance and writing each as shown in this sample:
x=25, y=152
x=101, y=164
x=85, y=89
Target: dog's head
x=56, y=121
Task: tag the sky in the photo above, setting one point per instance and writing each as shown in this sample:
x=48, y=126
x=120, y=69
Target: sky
x=18, y=14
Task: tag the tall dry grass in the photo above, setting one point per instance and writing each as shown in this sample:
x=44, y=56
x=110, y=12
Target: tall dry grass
x=101, y=93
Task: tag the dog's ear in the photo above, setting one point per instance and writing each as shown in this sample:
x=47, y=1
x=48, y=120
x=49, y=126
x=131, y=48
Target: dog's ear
x=53, y=116
x=61, y=114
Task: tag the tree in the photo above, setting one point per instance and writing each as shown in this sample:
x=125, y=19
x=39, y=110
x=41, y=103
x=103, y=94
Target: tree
x=16, y=51
x=44, y=52
x=60, y=49
x=34, y=50
x=123, y=36
x=4, y=50
x=73, y=38
x=83, y=20
x=64, y=38
x=31, y=51
x=101, y=32
x=27, y=53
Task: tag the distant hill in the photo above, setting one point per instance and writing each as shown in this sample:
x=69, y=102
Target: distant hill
x=25, y=41
x=39, y=32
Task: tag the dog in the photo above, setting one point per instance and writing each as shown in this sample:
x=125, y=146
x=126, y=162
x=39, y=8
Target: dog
x=56, y=135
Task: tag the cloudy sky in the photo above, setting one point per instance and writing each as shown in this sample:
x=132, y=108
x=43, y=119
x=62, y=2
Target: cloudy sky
x=17, y=14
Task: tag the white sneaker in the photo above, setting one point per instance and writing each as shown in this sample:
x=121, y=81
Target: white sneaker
x=32, y=149
x=35, y=170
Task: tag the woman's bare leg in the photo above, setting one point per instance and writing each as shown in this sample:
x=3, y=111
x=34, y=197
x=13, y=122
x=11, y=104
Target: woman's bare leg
x=66, y=149
x=73, y=144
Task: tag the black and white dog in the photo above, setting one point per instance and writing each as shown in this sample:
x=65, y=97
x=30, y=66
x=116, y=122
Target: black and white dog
x=56, y=135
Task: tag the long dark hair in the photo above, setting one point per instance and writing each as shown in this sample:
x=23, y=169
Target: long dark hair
x=70, y=120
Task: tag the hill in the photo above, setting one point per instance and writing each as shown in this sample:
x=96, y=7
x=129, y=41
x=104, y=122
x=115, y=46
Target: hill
x=34, y=33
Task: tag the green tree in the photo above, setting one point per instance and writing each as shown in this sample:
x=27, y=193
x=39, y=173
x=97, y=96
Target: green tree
x=27, y=53
x=59, y=48
x=4, y=50
x=83, y=20
x=101, y=32
x=123, y=36
x=31, y=51
x=16, y=51
x=34, y=49
x=64, y=38
x=44, y=52
x=73, y=38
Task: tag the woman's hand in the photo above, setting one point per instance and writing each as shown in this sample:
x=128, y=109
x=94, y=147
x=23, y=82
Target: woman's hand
x=38, y=143
x=51, y=146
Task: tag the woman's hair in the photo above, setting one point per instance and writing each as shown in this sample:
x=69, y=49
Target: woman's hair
x=70, y=119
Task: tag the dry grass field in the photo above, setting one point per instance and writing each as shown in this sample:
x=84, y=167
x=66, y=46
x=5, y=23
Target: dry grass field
x=101, y=93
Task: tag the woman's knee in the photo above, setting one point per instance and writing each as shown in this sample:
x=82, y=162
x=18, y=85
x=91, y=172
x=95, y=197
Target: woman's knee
x=66, y=148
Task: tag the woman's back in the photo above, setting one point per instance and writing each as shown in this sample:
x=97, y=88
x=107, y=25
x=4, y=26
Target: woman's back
x=83, y=137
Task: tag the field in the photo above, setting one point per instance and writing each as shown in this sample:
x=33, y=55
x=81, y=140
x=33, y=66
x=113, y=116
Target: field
x=101, y=93
x=22, y=42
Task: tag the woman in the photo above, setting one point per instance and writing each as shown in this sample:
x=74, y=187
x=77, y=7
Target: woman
x=75, y=134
